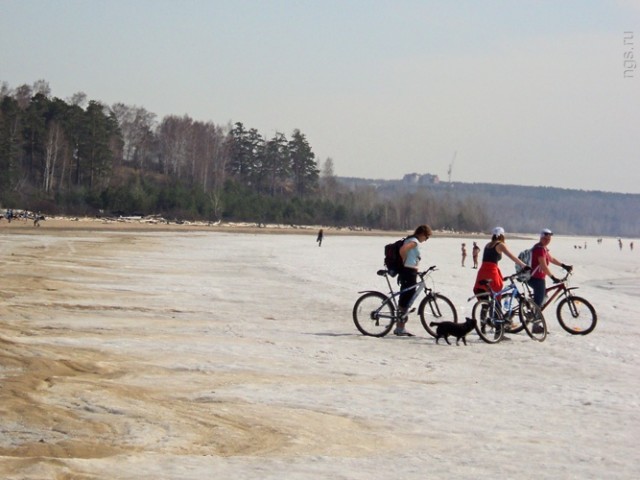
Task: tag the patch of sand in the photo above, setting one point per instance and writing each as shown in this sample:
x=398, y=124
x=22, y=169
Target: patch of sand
x=60, y=402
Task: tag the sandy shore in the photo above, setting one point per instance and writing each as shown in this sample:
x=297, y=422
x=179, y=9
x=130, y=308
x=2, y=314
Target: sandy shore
x=155, y=225
x=150, y=224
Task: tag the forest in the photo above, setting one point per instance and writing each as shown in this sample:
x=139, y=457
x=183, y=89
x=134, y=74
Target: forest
x=81, y=157
x=528, y=209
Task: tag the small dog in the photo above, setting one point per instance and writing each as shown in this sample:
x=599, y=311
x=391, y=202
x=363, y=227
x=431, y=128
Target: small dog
x=458, y=330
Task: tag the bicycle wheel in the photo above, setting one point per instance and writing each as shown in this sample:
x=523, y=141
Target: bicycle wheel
x=436, y=308
x=532, y=319
x=576, y=315
x=489, y=321
x=374, y=314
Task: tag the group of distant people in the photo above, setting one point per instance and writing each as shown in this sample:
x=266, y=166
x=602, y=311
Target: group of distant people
x=475, y=251
x=599, y=242
x=621, y=245
x=10, y=215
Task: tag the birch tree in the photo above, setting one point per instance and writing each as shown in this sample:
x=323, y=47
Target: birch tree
x=136, y=125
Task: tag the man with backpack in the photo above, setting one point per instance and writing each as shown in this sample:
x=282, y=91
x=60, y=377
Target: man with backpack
x=540, y=261
x=408, y=275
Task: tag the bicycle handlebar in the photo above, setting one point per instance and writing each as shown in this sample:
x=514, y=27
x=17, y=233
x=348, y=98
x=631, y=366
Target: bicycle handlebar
x=432, y=268
x=566, y=276
x=517, y=276
x=511, y=277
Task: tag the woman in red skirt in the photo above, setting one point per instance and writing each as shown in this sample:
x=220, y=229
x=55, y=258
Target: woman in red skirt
x=490, y=257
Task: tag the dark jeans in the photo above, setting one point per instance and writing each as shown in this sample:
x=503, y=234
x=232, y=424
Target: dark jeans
x=408, y=278
x=539, y=287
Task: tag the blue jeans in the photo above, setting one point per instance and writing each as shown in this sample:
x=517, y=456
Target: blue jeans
x=539, y=287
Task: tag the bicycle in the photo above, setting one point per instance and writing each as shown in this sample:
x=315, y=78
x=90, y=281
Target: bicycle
x=494, y=311
x=575, y=314
x=375, y=313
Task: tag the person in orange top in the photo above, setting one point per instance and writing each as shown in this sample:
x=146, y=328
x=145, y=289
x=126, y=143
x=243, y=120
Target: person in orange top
x=489, y=269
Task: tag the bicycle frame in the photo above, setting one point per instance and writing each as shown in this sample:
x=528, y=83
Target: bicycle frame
x=558, y=290
x=419, y=287
x=510, y=292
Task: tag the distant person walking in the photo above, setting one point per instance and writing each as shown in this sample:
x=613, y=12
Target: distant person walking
x=620, y=243
x=464, y=253
x=474, y=254
x=631, y=246
x=320, y=237
x=410, y=253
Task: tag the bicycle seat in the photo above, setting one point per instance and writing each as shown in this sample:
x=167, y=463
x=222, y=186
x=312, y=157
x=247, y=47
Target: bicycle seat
x=382, y=273
x=485, y=282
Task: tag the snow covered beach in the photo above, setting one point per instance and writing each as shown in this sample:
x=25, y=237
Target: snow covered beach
x=193, y=355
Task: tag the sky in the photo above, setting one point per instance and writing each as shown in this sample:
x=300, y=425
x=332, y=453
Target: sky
x=542, y=93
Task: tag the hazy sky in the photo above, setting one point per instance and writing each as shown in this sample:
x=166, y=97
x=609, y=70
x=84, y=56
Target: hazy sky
x=521, y=92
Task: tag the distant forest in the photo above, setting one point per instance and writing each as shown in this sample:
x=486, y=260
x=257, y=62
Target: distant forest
x=82, y=157
x=526, y=209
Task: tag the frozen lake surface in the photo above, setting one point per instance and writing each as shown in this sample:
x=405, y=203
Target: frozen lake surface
x=133, y=355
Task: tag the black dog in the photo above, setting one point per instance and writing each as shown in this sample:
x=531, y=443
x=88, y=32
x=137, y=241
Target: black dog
x=458, y=330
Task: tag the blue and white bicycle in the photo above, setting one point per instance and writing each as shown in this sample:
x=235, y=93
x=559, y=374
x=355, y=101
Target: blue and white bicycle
x=494, y=313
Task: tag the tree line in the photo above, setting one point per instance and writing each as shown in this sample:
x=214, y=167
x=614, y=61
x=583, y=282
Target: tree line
x=82, y=157
x=526, y=209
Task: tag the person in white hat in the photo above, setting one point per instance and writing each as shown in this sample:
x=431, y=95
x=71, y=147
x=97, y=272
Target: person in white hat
x=540, y=261
x=491, y=255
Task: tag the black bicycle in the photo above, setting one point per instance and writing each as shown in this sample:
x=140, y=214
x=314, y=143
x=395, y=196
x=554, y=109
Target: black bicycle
x=375, y=313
